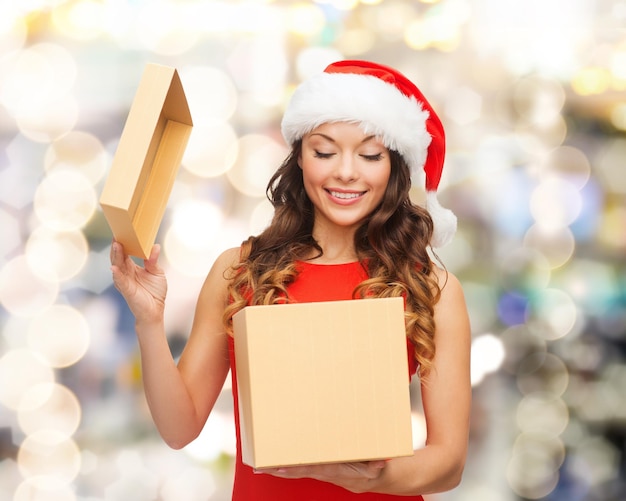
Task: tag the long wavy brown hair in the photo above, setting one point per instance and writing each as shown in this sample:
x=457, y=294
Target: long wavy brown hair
x=391, y=243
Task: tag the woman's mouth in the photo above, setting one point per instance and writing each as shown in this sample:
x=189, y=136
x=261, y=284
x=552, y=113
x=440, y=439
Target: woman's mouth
x=346, y=195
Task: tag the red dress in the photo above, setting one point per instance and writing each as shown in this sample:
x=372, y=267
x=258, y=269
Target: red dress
x=315, y=282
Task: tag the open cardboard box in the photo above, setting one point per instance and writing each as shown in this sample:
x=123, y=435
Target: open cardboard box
x=147, y=160
x=323, y=382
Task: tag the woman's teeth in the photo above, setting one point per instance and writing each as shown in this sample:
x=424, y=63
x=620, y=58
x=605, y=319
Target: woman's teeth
x=346, y=196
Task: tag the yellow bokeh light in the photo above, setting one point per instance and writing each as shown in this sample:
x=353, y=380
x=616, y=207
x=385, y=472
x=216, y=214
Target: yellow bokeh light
x=78, y=150
x=22, y=292
x=591, y=80
x=21, y=370
x=259, y=157
x=212, y=149
x=65, y=200
x=618, y=63
x=49, y=406
x=355, y=41
x=56, y=256
x=618, y=116
x=305, y=19
x=49, y=459
x=612, y=230
x=60, y=335
x=80, y=19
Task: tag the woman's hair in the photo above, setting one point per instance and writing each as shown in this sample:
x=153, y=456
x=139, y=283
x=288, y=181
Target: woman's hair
x=392, y=243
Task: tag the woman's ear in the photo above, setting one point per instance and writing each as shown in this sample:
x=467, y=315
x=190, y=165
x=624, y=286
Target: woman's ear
x=299, y=160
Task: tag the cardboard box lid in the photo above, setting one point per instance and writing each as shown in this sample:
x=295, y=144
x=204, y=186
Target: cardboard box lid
x=323, y=382
x=147, y=159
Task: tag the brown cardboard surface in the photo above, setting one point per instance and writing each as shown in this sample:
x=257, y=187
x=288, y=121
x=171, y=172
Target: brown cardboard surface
x=147, y=160
x=323, y=382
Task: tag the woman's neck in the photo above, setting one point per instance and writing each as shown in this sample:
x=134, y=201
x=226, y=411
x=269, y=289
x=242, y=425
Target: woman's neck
x=337, y=247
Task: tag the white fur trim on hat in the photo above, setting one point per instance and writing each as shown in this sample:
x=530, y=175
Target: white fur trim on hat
x=445, y=221
x=378, y=107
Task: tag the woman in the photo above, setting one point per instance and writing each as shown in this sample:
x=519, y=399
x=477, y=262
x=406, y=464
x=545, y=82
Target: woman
x=344, y=228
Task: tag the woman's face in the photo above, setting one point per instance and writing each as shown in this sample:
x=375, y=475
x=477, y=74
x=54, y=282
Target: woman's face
x=345, y=173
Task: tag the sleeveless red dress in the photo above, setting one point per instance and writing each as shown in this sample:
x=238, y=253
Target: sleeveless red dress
x=315, y=282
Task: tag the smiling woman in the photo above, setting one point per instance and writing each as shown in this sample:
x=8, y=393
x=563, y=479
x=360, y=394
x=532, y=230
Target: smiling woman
x=344, y=228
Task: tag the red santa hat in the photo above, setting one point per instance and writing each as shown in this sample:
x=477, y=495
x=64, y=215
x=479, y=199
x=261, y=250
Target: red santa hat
x=384, y=103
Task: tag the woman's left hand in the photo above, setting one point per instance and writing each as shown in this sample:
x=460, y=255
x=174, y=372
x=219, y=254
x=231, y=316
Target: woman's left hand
x=355, y=477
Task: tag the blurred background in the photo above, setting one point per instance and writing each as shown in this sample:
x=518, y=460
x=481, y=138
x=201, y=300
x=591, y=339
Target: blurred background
x=533, y=97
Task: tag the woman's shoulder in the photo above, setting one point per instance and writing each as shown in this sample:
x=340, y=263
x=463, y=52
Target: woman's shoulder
x=217, y=276
x=449, y=285
x=229, y=257
x=446, y=279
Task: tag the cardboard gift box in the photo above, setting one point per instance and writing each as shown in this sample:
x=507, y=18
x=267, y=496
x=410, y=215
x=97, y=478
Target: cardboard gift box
x=323, y=382
x=147, y=160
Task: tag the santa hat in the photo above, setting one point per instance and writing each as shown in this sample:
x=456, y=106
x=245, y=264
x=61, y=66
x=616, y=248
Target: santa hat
x=384, y=103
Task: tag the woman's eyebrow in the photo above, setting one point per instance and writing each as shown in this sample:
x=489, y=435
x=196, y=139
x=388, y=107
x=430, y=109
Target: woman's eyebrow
x=328, y=138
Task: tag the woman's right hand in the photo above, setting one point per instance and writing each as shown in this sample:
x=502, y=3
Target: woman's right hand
x=144, y=289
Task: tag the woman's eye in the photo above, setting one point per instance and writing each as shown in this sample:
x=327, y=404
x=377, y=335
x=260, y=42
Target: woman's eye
x=373, y=158
x=319, y=154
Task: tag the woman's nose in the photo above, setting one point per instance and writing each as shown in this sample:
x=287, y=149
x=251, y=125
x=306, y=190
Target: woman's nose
x=346, y=168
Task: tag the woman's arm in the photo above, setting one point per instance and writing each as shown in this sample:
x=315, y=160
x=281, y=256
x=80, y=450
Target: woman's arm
x=180, y=396
x=446, y=396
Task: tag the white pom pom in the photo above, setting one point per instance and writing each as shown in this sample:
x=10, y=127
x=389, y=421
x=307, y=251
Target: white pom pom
x=444, y=221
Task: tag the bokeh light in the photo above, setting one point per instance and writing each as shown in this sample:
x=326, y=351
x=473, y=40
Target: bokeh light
x=49, y=406
x=24, y=369
x=56, y=257
x=258, y=157
x=22, y=292
x=60, y=335
x=78, y=150
x=212, y=149
x=65, y=200
x=49, y=459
